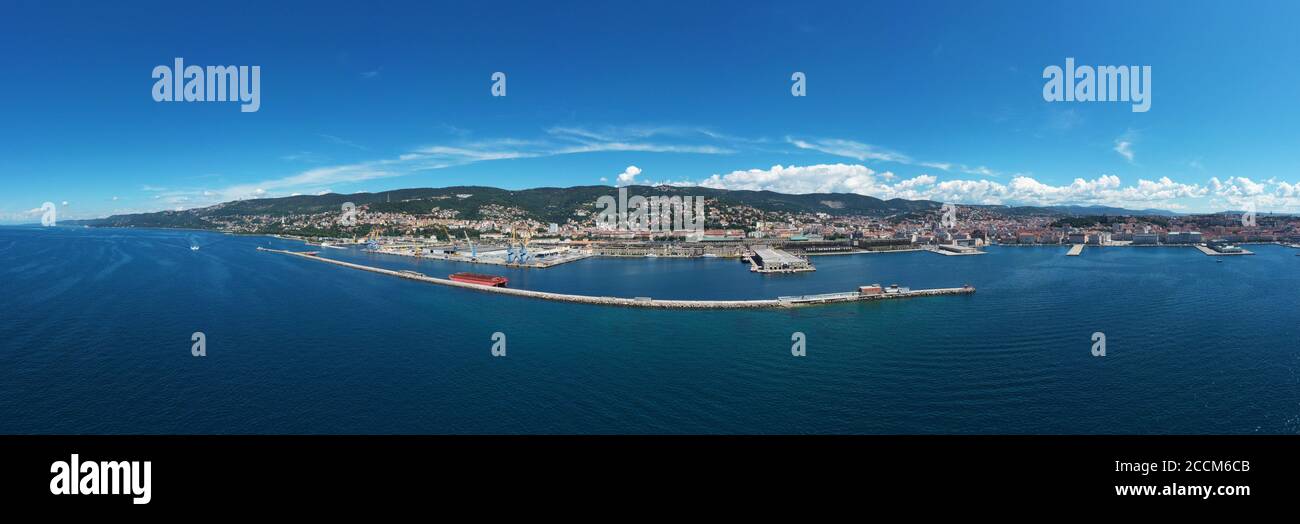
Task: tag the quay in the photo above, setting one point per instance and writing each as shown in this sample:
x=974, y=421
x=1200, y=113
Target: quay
x=647, y=302
x=1075, y=250
x=493, y=257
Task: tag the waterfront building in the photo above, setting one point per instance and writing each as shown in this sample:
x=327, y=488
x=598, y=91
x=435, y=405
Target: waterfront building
x=1184, y=237
x=1146, y=239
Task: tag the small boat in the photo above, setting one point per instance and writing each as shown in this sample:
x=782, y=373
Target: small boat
x=194, y=248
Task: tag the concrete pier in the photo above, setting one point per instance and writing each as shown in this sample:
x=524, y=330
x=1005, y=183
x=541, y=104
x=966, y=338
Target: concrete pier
x=1213, y=253
x=1075, y=250
x=770, y=260
x=646, y=302
x=954, y=251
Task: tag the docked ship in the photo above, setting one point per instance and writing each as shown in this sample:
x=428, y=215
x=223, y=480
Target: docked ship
x=480, y=279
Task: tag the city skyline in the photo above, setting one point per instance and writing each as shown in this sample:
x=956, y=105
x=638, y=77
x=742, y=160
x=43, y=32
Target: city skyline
x=401, y=97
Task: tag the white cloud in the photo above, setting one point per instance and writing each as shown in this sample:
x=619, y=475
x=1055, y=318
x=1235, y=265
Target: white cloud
x=461, y=150
x=1236, y=193
x=1021, y=190
x=628, y=176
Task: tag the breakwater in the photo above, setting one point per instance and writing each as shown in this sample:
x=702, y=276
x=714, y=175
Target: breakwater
x=645, y=302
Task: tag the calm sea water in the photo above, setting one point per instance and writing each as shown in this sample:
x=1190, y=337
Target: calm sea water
x=96, y=324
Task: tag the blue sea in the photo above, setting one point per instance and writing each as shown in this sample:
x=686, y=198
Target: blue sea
x=96, y=325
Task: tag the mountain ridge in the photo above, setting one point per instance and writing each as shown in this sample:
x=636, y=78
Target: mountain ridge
x=559, y=204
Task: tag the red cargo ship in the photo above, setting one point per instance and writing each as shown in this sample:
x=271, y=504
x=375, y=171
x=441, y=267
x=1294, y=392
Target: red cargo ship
x=480, y=279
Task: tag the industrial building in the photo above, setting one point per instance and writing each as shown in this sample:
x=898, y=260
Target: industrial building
x=770, y=260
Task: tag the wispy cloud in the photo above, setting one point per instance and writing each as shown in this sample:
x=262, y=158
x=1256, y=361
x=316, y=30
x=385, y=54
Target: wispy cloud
x=1125, y=149
x=850, y=149
x=303, y=156
x=1021, y=189
x=460, y=151
x=1124, y=145
x=868, y=153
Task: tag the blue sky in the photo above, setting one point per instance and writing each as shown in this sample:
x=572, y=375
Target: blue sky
x=939, y=100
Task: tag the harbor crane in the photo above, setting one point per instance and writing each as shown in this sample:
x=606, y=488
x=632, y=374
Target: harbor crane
x=473, y=252
x=521, y=240
x=524, y=239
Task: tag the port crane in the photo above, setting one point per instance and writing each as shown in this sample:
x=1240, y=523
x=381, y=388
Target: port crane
x=473, y=252
x=522, y=240
x=510, y=248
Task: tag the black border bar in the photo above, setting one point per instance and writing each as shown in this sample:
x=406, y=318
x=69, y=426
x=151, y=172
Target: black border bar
x=397, y=471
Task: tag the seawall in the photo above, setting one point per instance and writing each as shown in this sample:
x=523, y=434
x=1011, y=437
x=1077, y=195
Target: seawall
x=628, y=302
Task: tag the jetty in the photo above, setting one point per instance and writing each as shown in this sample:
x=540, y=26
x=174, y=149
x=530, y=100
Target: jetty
x=1075, y=250
x=645, y=302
